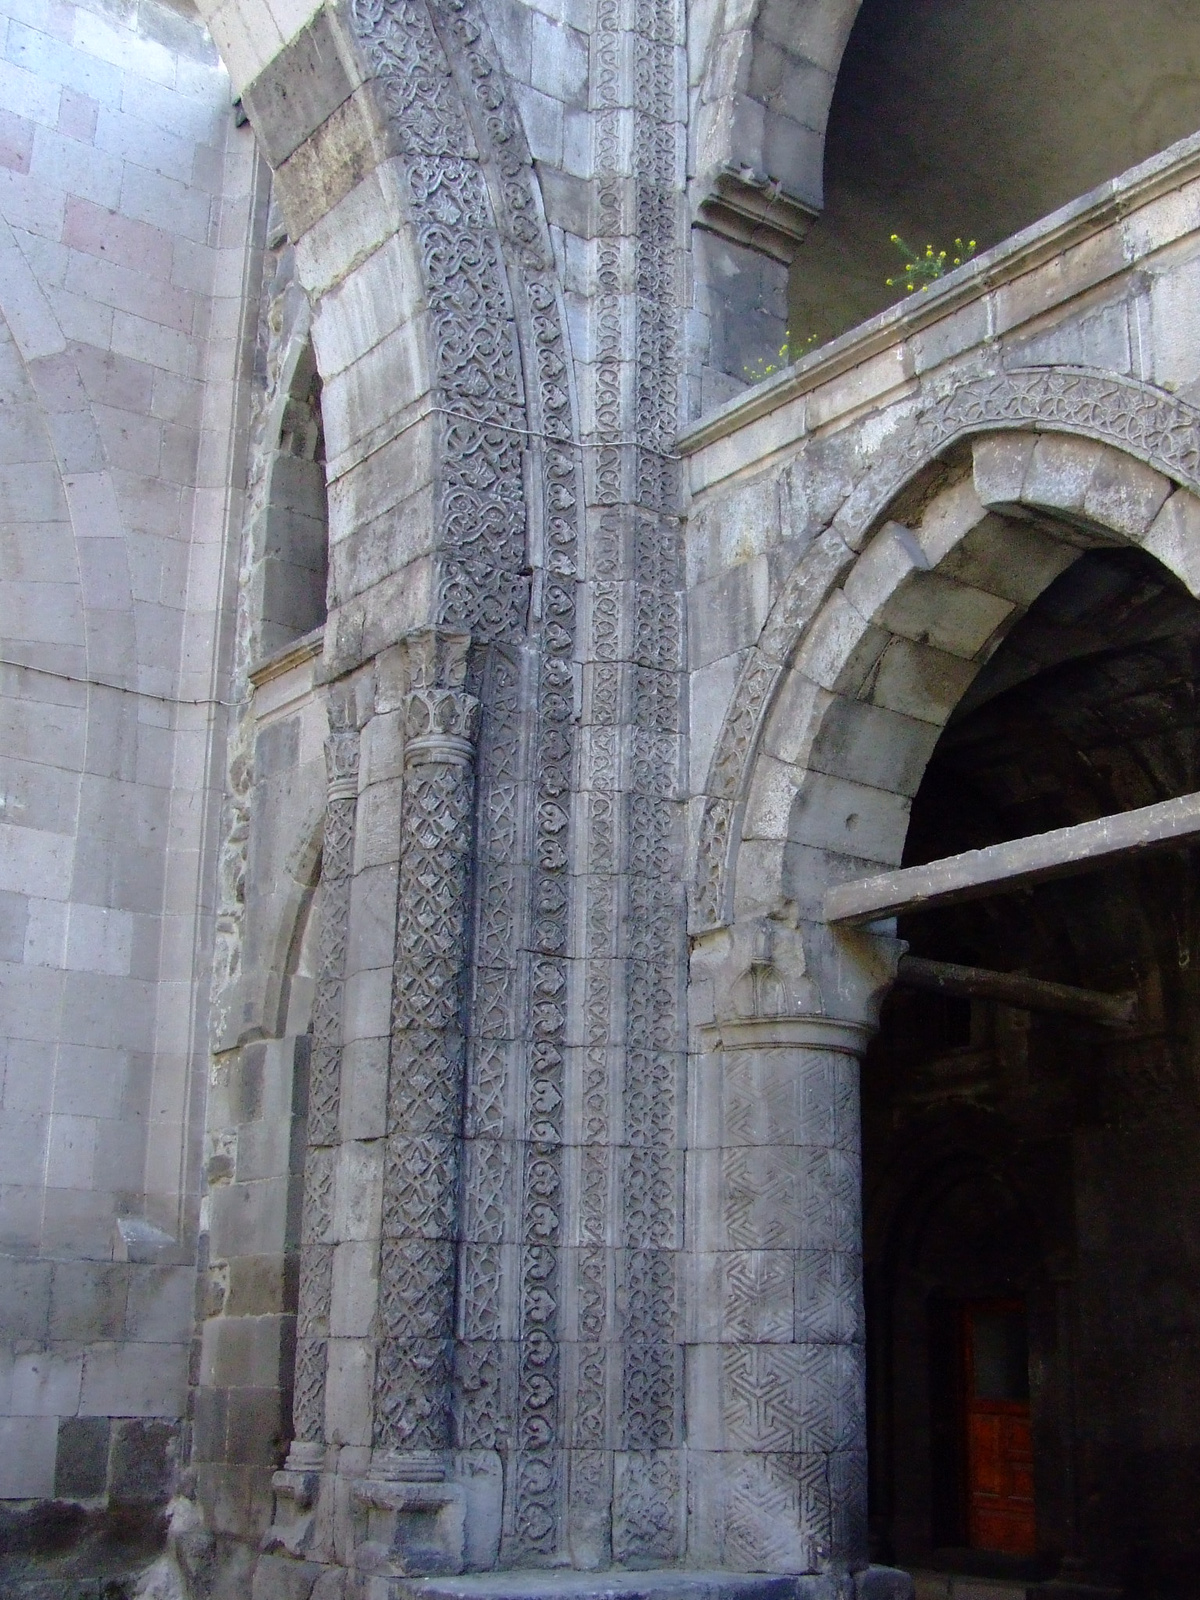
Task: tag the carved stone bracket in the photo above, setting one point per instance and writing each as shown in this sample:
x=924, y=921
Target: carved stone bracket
x=296, y=1489
x=752, y=209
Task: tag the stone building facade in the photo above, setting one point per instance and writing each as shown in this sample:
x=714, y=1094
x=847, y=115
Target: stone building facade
x=445, y=675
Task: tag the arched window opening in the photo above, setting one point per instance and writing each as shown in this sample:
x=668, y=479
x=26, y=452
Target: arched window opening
x=293, y=568
x=971, y=119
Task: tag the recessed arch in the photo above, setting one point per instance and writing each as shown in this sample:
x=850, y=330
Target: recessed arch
x=1126, y=449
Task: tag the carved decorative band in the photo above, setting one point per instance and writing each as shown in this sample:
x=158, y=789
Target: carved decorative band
x=439, y=748
x=425, y=1078
x=789, y=1033
x=343, y=789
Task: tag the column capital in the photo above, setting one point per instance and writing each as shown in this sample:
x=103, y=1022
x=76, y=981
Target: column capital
x=440, y=727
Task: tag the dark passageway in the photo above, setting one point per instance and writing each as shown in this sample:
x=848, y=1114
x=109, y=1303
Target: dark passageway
x=1036, y=1166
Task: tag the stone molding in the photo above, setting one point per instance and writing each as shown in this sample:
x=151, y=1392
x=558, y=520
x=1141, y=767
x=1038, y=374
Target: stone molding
x=806, y=1033
x=1144, y=422
x=324, y=1083
x=751, y=209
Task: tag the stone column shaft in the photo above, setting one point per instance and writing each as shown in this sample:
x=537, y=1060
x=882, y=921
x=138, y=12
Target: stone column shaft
x=324, y=1085
x=425, y=1085
x=776, y=1379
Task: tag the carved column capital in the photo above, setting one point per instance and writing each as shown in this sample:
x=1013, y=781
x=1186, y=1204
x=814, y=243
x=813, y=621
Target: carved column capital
x=781, y=969
x=441, y=725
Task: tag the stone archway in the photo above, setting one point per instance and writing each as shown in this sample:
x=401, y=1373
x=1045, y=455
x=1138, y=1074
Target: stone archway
x=407, y=185
x=764, y=96
x=852, y=705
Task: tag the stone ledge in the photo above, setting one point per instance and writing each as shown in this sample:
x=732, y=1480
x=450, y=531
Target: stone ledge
x=876, y=1583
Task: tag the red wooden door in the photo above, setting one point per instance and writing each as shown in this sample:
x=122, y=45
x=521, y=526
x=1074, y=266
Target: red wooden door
x=999, y=1438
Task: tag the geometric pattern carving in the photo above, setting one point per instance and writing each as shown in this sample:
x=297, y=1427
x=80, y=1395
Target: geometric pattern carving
x=829, y=1297
x=421, y=1169
x=808, y=1098
x=789, y=1197
x=325, y=1071
x=782, y=1398
x=776, y=1513
x=1156, y=428
x=759, y=1295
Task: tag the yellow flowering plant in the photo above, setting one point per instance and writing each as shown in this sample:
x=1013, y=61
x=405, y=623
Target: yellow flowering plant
x=786, y=355
x=923, y=267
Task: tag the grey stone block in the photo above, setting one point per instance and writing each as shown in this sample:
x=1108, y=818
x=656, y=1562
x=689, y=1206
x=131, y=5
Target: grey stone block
x=14, y=915
x=142, y=1461
x=160, y=1304
x=293, y=96
x=88, y=1300
x=81, y=1461
x=24, y=1298
x=246, y=1080
x=277, y=748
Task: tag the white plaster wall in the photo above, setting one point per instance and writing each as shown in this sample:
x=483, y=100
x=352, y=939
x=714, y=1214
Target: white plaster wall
x=125, y=198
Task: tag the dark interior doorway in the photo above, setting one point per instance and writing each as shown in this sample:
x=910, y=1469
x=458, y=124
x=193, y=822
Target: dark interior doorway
x=1032, y=1181
x=996, y=1425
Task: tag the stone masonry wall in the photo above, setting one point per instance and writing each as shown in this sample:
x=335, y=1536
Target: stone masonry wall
x=126, y=197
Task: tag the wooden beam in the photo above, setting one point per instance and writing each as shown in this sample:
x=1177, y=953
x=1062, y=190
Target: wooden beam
x=1004, y=867
x=1015, y=989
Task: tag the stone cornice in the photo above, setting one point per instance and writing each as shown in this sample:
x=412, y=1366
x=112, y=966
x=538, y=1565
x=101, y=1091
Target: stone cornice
x=286, y=659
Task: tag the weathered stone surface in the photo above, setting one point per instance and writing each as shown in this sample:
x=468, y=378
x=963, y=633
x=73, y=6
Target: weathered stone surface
x=383, y=675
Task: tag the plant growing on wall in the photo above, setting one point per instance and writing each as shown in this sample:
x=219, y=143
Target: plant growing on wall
x=923, y=267
x=788, y=352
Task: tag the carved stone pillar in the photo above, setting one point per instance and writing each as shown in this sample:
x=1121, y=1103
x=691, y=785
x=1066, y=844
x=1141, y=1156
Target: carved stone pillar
x=776, y=1381
x=424, y=1132
x=298, y=1481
